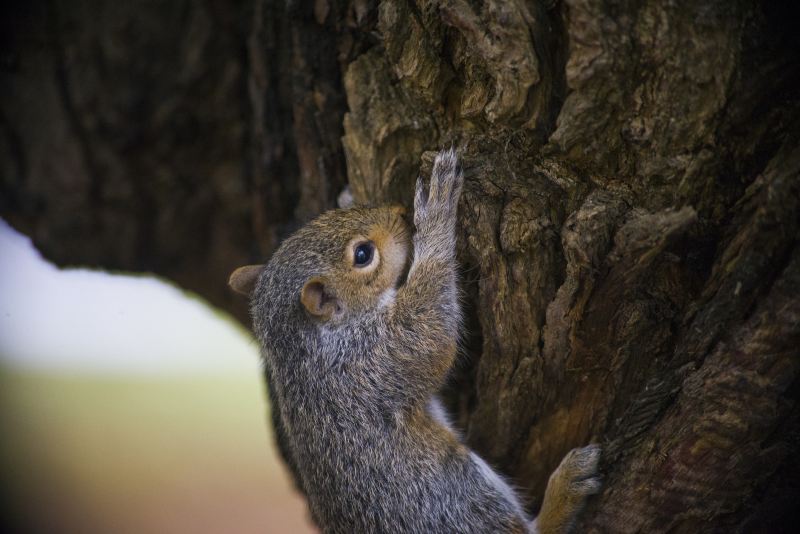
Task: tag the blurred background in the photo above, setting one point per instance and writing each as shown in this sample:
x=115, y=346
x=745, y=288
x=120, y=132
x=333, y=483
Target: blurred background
x=129, y=405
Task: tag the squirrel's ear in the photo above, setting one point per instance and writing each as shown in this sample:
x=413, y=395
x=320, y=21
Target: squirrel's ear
x=243, y=280
x=345, y=198
x=318, y=300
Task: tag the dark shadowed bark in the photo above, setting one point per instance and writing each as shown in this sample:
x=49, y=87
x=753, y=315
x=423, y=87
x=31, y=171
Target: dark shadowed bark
x=629, y=227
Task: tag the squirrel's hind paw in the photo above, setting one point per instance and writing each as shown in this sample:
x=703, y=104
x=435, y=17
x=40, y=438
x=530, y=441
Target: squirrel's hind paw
x=579, y=467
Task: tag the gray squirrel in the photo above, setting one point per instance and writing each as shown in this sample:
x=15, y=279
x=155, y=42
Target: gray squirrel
x=355, y=353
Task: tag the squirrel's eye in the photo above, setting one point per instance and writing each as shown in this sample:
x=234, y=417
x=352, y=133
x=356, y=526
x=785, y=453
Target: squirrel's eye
x=362, y=256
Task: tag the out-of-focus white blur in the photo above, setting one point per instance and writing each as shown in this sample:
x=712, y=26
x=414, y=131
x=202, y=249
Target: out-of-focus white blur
x=92, y=321
x=129, y=406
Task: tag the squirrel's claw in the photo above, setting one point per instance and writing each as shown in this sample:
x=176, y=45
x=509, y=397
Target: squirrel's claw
x=446, y=178
x=580, y=465
x=437, y=206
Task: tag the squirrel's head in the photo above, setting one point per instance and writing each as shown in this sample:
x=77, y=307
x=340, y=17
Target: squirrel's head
x=342, y=263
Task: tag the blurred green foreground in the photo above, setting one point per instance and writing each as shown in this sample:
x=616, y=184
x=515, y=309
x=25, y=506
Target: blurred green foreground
x=116, y=454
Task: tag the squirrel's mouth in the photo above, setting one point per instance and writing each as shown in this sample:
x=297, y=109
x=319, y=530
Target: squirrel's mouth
x=402, y=233
x=401, y=280
x=403, y=275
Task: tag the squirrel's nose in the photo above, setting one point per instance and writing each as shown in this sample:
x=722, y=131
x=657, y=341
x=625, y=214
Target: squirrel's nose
x=397, y=209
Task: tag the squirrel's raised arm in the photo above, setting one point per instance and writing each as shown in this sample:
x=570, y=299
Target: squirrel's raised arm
x=424, y=321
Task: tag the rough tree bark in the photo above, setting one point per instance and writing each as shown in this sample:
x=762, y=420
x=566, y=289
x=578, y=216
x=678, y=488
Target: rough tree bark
x=629, y=228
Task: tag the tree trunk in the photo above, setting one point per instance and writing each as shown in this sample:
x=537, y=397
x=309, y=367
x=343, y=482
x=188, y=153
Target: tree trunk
x=629, y=225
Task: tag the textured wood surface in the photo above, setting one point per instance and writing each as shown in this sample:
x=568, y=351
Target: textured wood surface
x=629, y=225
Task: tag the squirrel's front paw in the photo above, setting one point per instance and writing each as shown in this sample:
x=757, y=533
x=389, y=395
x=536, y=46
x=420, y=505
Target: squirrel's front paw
x=435, y=209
